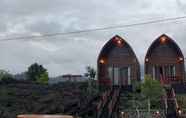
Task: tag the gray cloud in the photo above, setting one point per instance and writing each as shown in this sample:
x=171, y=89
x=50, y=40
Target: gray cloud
x=71, y=53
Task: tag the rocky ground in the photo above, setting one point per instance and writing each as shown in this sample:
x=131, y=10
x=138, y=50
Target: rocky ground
x=23, y=97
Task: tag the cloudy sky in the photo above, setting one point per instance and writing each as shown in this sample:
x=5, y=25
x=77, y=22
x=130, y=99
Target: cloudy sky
x=72, y=53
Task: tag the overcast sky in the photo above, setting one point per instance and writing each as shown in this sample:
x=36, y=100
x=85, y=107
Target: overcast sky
x=72, y=53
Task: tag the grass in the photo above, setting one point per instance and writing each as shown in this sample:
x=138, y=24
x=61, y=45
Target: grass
x=181, y=99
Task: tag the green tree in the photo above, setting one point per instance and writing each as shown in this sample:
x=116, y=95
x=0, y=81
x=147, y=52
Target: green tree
x=4, y=75
x=152, y=89
x=36, y=71
x=43, y=78
x=91, y=72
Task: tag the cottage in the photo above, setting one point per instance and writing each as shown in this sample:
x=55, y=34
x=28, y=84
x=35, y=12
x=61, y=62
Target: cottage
x=117, y=64
x=164, y=61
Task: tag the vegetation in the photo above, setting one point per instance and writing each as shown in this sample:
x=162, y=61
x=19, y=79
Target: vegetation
x=145, y=99
x=37, y=73
x=136, y=86
x=26, y=97
x=43, y=78
x=91, y=72
x=181, y=99
x=5, y=76
x=145, y=96
x=152, y=90
x=69, y=97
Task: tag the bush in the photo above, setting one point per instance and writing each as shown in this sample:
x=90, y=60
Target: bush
x=181, y=98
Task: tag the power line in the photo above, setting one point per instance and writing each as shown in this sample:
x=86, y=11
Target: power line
x=95, y=29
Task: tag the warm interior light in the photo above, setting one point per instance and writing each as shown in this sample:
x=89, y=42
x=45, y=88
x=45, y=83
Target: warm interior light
x=179, y=112
x=157, y=112
x=118, y=41
x=180, y=58
x=146, y=59
x=101, y=61
x=163, y=39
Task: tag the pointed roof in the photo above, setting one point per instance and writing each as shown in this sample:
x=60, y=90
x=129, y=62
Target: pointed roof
x=111, y=44
x=162, y=39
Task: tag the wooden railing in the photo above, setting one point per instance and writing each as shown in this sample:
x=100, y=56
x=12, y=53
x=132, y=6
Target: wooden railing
x=102, y=103
x=170, y=79
x=112, y=104
x=172, y=105
x=107, y=103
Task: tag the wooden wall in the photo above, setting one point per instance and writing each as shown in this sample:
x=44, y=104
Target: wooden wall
x=162, y=54
x=119, y=57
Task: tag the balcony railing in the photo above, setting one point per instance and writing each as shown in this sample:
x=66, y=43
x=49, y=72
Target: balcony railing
x=170, y=79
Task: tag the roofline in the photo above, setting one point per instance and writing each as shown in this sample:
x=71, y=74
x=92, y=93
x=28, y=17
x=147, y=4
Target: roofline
x=109, y=42
x=157, y=39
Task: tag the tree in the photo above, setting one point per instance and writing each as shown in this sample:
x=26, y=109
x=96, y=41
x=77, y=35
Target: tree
x=152, y=90
x=43, y=78
x=91, y=72
x=4, y=75
x=37, y=72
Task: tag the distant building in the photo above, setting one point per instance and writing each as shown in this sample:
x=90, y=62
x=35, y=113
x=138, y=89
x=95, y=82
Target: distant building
x=73, y=78
x=21, y=76
x=68, y=77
